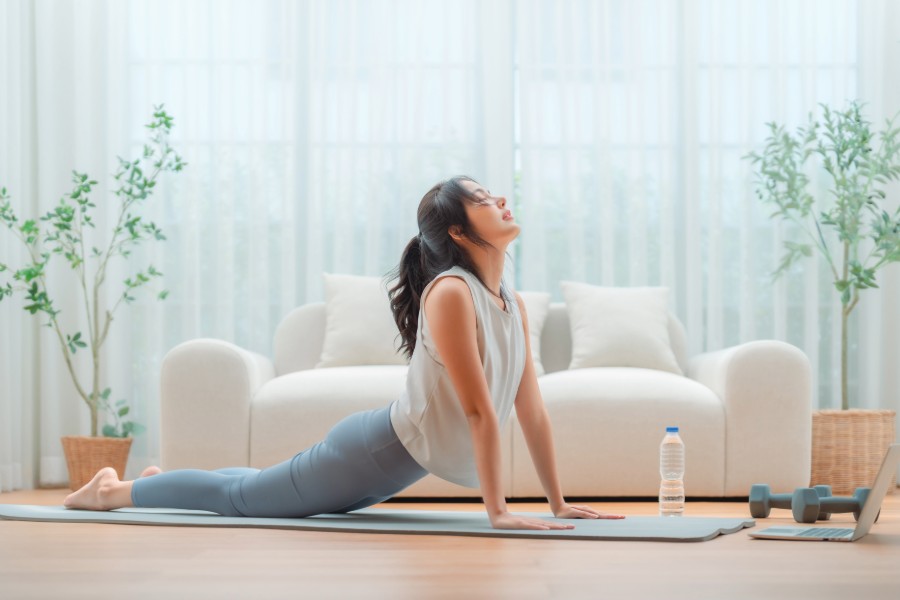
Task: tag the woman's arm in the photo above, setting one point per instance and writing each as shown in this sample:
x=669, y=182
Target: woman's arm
x=451, y=319
x=535, y=423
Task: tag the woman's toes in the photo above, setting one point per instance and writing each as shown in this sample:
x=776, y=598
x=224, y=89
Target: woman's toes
x=90, y=496
x=154, y=470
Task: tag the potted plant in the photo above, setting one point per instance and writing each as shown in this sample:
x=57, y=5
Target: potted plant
x=64, y=235
x=848, y=445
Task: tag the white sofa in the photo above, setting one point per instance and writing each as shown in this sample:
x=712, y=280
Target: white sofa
x=744, y=412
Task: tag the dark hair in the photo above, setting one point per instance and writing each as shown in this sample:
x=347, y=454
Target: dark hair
x=432, y=252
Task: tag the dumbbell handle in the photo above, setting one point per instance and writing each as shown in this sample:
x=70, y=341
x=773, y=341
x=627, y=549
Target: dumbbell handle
x=780, y=500
x=835, y=504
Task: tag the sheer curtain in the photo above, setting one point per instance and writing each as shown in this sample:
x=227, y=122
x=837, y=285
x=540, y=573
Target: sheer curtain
x=633, y=119
x=311, y=131
x=313, y=128
x=58, y=112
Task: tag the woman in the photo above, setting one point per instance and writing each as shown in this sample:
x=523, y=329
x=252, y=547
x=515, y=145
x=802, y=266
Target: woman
x=470, y=361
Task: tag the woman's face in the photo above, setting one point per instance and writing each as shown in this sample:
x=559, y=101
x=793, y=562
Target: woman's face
x=490, y=218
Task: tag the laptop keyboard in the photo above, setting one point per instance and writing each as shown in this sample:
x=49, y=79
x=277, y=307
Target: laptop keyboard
x=826, y=532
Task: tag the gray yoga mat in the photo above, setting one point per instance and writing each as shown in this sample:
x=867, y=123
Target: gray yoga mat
x=415, y=522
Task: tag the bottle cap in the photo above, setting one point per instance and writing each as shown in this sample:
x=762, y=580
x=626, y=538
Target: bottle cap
x=671, y=430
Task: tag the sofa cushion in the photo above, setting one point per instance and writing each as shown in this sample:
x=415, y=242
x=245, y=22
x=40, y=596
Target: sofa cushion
x=607, y=426
x=619, y=327
x=359, y=325
x=295, y=411
x=537, y=305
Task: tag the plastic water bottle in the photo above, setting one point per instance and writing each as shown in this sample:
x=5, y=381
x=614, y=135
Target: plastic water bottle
x=671, y=469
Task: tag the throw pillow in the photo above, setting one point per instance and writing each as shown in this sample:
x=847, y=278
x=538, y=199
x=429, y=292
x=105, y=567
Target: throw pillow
x=537, y=305
x=359, y=325
x=619, y=327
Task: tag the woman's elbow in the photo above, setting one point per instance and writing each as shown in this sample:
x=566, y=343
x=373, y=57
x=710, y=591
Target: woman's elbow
x=480, y=418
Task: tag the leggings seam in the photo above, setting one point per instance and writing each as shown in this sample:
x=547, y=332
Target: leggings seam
x=382, y=471
x=236, y=482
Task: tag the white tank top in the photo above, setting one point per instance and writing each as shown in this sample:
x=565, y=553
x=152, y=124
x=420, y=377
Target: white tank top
x=428, y=417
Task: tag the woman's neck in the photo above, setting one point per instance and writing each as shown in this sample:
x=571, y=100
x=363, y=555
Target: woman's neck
x=490, y=263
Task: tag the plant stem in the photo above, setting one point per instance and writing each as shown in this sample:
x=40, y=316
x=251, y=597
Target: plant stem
x=845, y=312
x=825, y=246
x=53, y=321
x=100, y=278
x=844, y=403
x=92, y=329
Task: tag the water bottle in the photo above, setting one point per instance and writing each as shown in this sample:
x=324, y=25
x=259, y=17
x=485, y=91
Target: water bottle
x=671, y=469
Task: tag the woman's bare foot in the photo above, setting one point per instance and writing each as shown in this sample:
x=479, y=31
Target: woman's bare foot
x=100, y=493
x=154, y=470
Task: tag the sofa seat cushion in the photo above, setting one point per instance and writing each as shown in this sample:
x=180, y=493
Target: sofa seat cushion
x=292, y=412
x=628, y=410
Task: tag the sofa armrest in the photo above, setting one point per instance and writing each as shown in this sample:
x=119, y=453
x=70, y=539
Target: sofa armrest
x=205, y=392
x=765, y=388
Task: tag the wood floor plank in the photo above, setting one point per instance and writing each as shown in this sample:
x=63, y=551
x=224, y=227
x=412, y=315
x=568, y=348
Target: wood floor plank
x=82, y=560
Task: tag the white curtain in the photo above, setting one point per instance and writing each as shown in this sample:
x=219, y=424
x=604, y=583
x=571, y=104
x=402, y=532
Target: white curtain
x=313, y=128
x=634, y=117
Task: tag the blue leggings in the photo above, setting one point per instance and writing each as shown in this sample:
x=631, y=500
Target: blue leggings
x=361, y=462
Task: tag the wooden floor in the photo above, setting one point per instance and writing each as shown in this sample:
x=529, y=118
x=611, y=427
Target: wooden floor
x=80, y=560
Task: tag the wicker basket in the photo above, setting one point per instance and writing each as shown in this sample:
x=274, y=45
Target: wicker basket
x=85, y=455
x=848, y=447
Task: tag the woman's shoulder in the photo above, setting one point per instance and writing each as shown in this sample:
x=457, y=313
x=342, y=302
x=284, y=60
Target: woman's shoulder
x=449, y=304
x=455, y=276
x=450, y=287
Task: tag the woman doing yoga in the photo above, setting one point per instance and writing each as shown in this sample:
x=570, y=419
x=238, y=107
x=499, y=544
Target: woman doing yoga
x=466, y=336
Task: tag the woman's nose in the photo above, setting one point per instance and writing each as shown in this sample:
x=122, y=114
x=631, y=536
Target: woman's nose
x=501, y=201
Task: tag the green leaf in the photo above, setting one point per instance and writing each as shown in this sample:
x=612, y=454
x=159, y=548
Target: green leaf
x=110, y=431
x=163, y=295
x=105, y=394
x=845, y=297
x=123, y=411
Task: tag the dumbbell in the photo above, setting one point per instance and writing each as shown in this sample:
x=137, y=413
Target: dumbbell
x=808, y=504
x=762, y=500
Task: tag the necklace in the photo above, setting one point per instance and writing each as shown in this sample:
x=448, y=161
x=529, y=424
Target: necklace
x=492, y=292
x=496, y=295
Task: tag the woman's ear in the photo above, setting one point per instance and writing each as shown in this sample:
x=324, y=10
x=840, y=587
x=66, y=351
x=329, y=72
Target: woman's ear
x=455, y=232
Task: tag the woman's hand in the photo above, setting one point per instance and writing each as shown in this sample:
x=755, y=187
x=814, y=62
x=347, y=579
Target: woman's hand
x=509, y=521
x=577, y=511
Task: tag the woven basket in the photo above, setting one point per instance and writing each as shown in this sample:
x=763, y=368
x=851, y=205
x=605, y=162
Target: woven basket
x=85, y=455
x=848, y=447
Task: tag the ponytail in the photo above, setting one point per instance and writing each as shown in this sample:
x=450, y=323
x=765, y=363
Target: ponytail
x=405, y=296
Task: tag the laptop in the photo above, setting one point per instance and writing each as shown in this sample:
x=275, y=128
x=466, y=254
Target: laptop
x=866, y=518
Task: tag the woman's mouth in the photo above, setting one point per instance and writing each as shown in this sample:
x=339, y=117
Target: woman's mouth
x=507, y=216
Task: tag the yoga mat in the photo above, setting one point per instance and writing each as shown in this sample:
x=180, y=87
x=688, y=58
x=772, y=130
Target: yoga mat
x=415, y=522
